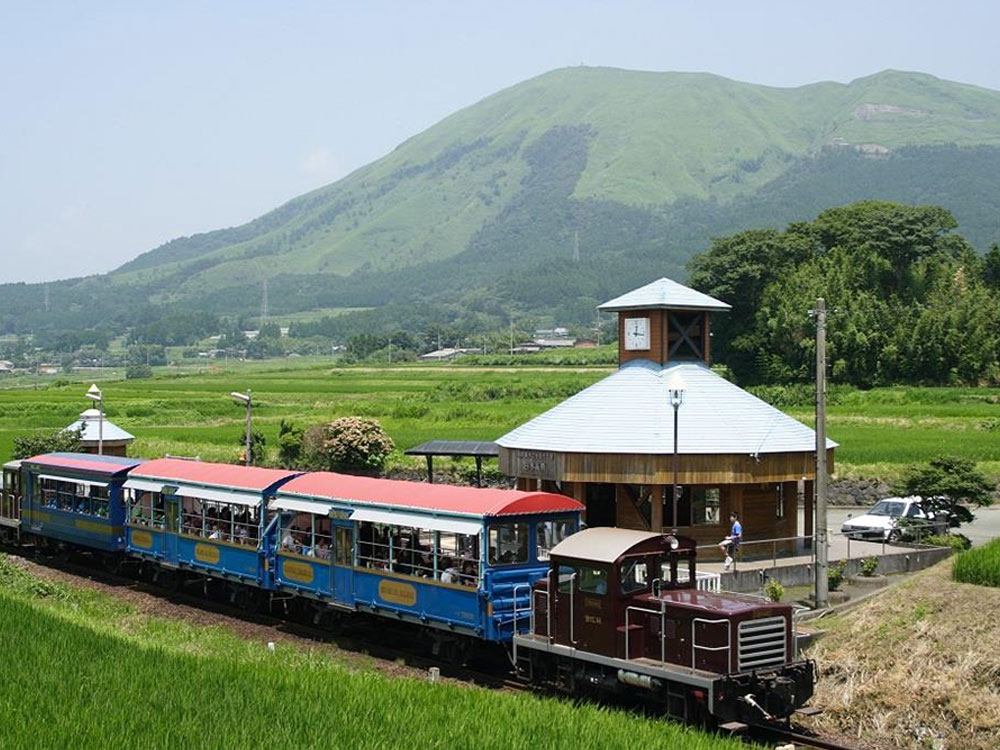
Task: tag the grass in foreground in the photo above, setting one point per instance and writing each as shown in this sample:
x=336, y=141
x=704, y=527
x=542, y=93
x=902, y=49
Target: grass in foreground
x=915, y=667
x=980, y=566
x=92, y=672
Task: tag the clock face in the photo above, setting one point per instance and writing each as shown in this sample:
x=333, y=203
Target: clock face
x=636, y=334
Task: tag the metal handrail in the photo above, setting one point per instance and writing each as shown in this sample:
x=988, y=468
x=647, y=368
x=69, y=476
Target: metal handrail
x=548, y=618
x=694, y=640
x=663, y=641
x=572, y=608
x=516, y=610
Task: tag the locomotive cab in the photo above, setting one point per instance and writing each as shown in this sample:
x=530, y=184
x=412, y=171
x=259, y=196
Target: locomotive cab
x=626, y=608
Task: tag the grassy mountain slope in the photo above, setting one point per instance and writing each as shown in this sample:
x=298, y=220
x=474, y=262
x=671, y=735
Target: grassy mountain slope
x=627, y=165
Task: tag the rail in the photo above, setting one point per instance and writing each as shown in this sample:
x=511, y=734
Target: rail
x=758, y=542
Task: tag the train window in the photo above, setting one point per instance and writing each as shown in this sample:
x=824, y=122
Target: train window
x=592, y=580
x=458, y=558
x=566, y=574
x=145, y=508
x=509, y=544
x=305, y=534
x=633, y=576
x=549, y=534
x=224, y=522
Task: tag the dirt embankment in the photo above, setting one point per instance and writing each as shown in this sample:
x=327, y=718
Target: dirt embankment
x=917, y=667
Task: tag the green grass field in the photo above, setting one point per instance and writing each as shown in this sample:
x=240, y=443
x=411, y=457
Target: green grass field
x=96, y=672
x=189, y=413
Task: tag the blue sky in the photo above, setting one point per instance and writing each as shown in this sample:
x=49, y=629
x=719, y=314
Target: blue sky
x=124, y=125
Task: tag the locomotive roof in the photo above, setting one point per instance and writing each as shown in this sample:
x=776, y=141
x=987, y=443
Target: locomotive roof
x=226, y=476
x=602, y=544
x=86, y=462
x=466, y=501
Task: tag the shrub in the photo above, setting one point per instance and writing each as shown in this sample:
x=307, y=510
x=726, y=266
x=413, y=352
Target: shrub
x=351, y=444
x=980, y=566
x=774, y=591
x=290, y=444
x=258, y=444
x=957, y=542
x=57, y=441
x=835, y=575
x=138, y=372
x=868, y=566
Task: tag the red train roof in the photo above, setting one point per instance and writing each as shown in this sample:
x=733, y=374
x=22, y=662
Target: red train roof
x=93, y=464
x=203, y=472
x=435, y=497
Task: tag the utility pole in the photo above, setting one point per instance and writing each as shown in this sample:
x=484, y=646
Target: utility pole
x=822, y=550
x=512, y=337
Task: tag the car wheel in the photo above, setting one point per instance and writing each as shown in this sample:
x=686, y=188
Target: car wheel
x=894, y=536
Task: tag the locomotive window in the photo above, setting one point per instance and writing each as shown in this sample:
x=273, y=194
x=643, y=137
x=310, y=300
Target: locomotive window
x=565, y=579
x=593, y=580
x=634, y=576
x=509, y=544
x=549, y=534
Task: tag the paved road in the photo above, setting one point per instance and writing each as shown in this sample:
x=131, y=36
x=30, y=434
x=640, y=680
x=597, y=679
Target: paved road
x=985, y=528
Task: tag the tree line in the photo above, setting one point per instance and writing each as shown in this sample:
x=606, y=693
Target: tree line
x=910, y=300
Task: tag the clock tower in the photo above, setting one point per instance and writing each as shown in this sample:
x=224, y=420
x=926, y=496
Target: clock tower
x=664, y=322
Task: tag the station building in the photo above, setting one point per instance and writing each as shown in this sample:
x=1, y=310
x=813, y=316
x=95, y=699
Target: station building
x=612, y=448
x=95, y=433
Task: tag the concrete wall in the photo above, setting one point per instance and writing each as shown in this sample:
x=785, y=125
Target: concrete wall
x=751, y=580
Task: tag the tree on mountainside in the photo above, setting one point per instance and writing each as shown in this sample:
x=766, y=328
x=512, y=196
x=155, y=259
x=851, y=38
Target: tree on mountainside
x=906, y=296
x=948, y=483
x=991, y=267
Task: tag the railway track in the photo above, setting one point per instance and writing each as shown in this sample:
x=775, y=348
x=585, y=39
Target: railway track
x=376, y=643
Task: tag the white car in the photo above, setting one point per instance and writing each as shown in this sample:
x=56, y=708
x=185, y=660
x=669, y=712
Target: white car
x=882, y=522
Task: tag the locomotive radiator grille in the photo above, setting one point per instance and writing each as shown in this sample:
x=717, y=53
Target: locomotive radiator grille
x=762, y=643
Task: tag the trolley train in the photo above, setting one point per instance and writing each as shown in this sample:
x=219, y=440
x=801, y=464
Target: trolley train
x=601, y=610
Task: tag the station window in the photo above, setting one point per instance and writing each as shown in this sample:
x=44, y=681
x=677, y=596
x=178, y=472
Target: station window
x=779, y=499
x=223, y=522
x=509, y=544
x=549, y=534
x=705, y=505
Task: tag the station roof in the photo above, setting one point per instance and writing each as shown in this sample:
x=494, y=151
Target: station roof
x=601, y=544
x=83, y=462
x=629, y=412
x=225, y=476
x=481, y=448
x=93, y=431
x=664, y=294
x=436, y=498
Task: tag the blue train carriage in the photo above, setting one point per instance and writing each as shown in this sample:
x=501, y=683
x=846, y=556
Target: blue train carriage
x=459, y=559
x=75, y=499
x=10, y=502
x=202, y=517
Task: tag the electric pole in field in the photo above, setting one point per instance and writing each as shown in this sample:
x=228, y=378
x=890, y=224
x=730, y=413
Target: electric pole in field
x=822, y=550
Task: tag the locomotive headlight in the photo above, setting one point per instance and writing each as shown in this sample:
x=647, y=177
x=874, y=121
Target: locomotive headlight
x=674, y=544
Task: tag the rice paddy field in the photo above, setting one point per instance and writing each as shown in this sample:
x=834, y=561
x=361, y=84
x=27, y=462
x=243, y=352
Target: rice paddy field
x=97, y=672
x=189, y=413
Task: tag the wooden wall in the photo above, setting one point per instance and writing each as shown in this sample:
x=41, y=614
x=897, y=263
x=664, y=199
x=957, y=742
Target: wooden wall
x=658, y=469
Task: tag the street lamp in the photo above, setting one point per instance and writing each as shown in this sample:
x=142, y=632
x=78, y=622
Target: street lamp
x=94, y=394
x=675, y=389
x=247, y=400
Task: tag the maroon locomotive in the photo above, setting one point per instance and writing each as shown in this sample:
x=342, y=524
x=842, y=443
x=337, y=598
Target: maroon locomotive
x=621, y=611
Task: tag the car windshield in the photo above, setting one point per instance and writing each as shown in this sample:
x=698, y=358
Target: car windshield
x=887, y=508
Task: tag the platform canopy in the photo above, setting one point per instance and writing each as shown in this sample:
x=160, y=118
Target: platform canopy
x=477, y=449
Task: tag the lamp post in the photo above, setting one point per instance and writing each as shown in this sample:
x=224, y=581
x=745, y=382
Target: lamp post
x=94, y=394
x=247, y=400
x=675, y=388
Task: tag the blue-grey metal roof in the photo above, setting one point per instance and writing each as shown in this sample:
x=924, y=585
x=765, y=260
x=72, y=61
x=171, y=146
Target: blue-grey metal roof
x=630, y=412
x=92, y=429
x=664, y=293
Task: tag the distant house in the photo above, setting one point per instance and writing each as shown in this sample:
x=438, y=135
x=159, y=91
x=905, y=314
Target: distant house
x=554, y=343
x=251, y=335
x=585, y=344
x=552, y=333
x=440, y=355
x=48, y=368
x=6, y=368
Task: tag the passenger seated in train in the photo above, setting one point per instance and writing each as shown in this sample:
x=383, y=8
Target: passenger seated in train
x=449, y=573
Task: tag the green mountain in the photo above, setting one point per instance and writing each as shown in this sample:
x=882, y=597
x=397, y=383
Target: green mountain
x=563, y=190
